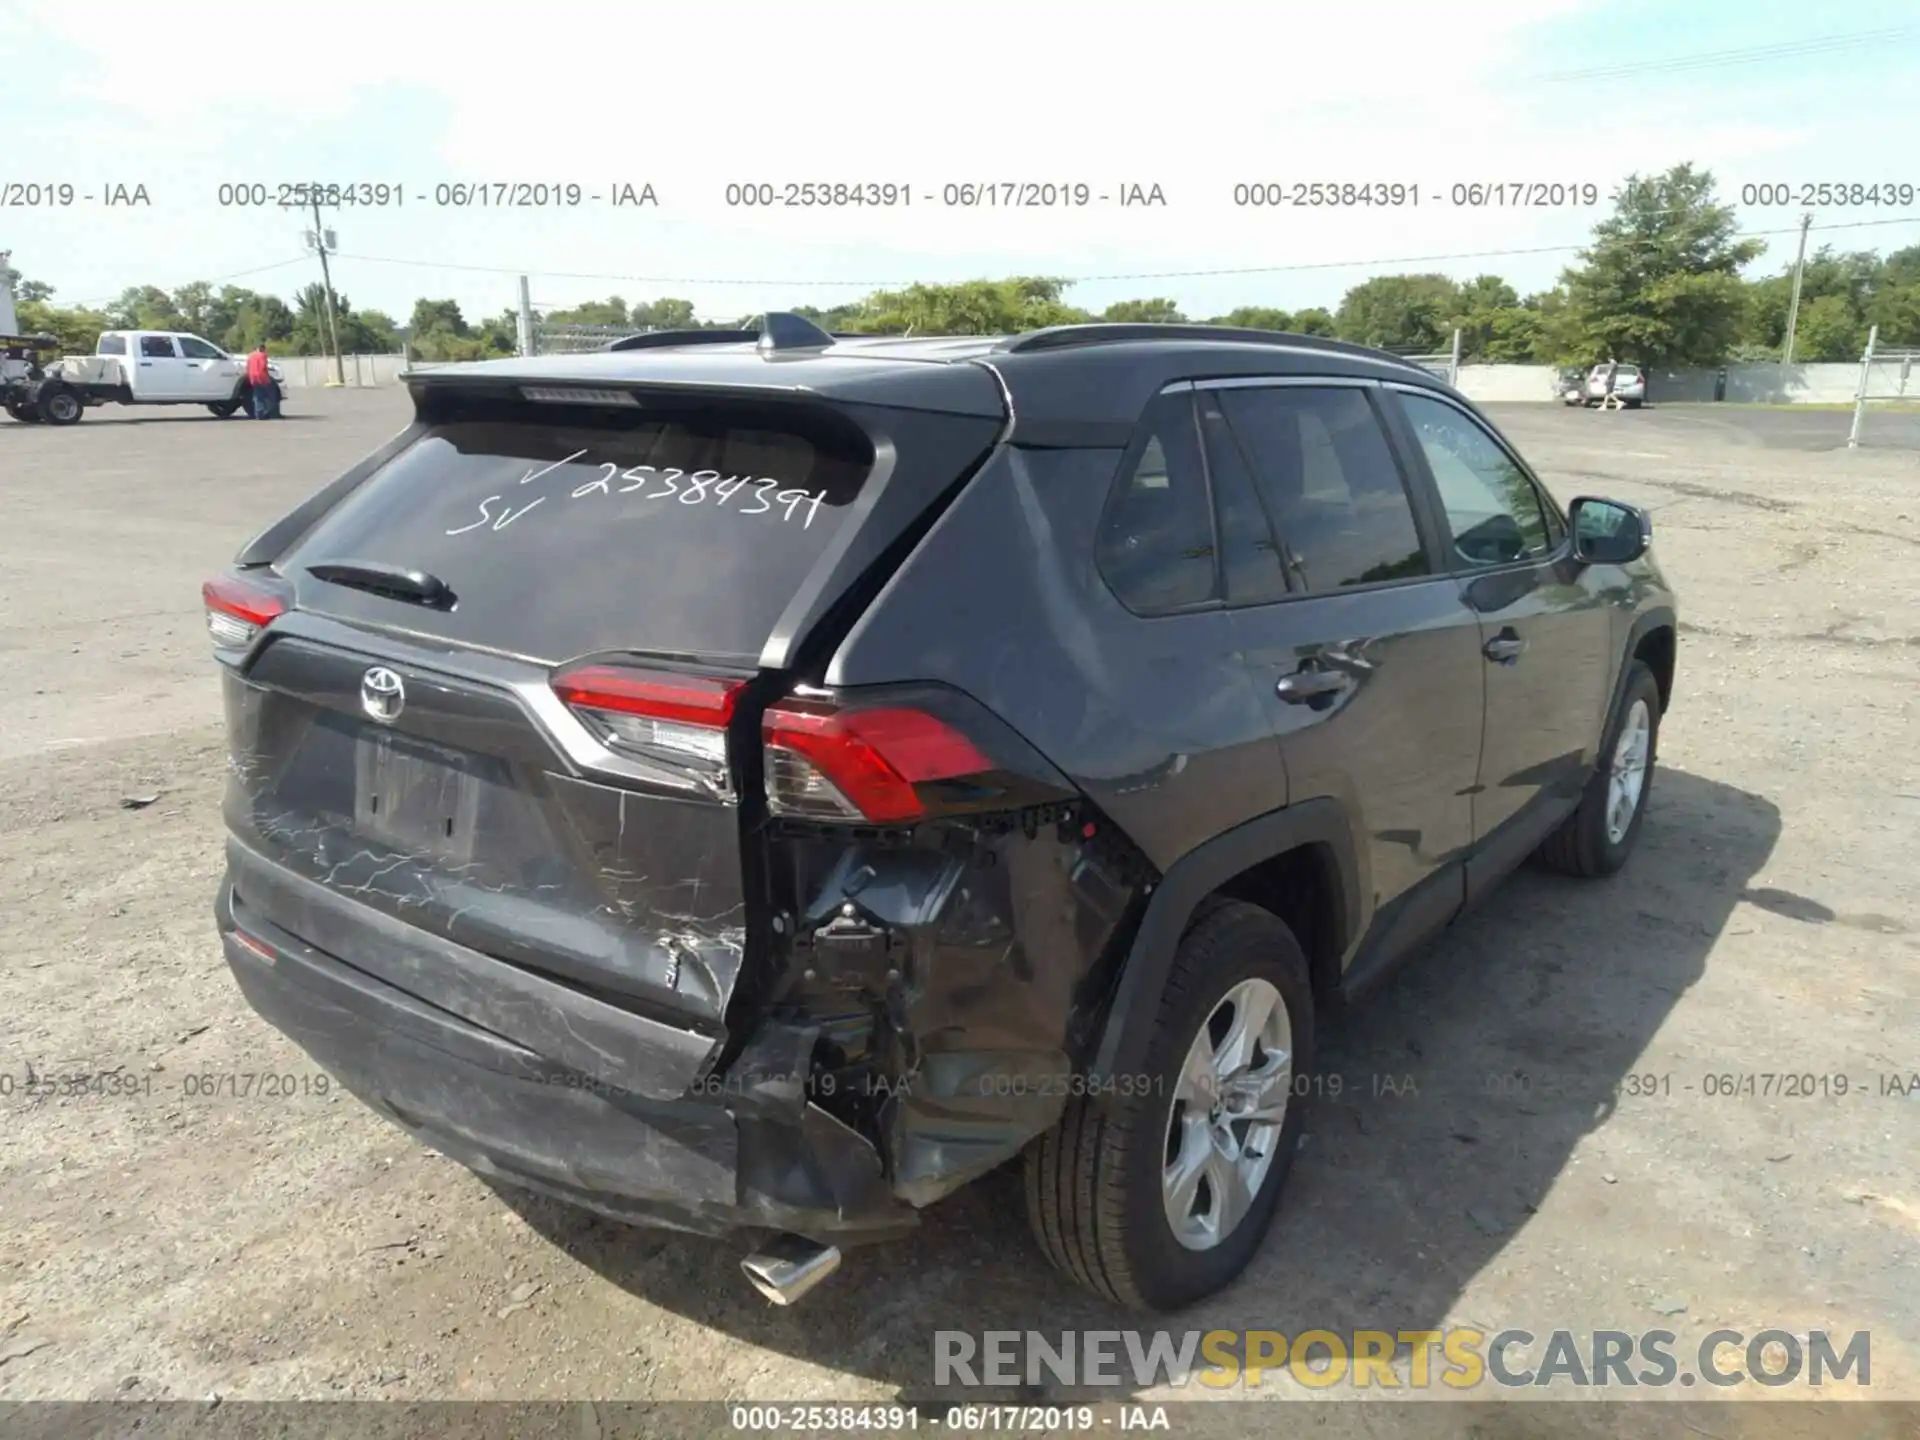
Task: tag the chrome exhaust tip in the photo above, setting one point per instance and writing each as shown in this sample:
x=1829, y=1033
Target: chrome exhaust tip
x=789, y=1266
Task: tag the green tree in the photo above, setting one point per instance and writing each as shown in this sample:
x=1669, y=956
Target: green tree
x=1660, y=284
x=612, y=311
x=1902, y=267
x=1512, y=337
x=1482, y=303
x=835, y=319
x=257, y=318
x=1255, y=317
x=430, y=316
x=1143, y=312
x=1828, y=329
x=1401, y=312
x=500, y=334
x=663, y=314
x=77, y=329
x=1851, y=279
x=382, y=331
x=1314, y=321
x=32, y=290
x=145, y=307
x=1896, y=310
x=977, y=307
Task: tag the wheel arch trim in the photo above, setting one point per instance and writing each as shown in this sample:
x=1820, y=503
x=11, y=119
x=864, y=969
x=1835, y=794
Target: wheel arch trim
x=1127, y=1026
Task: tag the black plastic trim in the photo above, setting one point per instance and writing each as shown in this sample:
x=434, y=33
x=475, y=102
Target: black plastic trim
x=1122, y=1046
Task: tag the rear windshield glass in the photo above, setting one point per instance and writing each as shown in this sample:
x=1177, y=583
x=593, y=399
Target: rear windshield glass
x=563, y=532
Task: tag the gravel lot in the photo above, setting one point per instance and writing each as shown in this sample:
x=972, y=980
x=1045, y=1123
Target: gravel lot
x=167, y=1244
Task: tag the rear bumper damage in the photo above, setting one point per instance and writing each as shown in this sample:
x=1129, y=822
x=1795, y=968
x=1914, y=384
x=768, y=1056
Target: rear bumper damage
x=748, y=1154
x=969, y=1006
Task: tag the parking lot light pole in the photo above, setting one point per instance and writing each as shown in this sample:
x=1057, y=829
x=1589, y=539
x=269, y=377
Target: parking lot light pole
x=1793, y=305
x=1866, y=380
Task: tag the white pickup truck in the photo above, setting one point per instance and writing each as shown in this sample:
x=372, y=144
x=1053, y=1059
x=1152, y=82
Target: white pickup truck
x=138, y=367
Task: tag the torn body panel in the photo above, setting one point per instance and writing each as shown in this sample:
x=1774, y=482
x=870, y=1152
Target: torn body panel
x=950, y=971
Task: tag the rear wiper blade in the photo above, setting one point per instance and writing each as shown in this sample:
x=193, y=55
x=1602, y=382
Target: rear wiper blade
x=393, y=581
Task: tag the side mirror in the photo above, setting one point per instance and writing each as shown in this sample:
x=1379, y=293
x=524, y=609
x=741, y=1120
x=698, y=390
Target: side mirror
x=1608, y=532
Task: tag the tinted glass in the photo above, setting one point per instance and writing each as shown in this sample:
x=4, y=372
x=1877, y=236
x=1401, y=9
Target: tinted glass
x=1491, y=506
x=1156, y=538
x=198, y=349
x=157, y=347
x=1322, y=464
x=1249, y=554
x=112, y=345
x=563, y=531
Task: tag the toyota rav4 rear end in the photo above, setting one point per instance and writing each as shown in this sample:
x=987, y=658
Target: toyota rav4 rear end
x=544, y=837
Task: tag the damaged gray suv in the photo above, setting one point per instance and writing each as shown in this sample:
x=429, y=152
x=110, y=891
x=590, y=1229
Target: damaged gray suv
x=756, y=783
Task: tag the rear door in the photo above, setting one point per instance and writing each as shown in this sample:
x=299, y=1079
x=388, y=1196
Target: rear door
x=1544, y=623
x=506, y=704
x=158, y=371
x=1357, y=636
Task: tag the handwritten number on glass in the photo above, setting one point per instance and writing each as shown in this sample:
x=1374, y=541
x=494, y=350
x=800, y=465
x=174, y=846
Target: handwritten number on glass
x=763, y=495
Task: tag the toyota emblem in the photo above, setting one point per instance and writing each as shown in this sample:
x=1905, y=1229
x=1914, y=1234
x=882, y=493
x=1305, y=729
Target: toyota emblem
x=381, y=694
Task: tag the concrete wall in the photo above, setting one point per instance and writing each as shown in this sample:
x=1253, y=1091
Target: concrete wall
x=1507, y=382
x=1751, y=384
x=1773, y=384
x=304, y=370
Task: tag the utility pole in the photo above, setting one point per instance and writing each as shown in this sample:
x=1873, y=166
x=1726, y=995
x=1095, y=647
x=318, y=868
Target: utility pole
x=322, y=241
x=1793, y=305
x=526, y=318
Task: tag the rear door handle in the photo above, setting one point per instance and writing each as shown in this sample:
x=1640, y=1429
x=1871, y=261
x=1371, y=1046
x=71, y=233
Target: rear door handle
x=1504, y=648
x=1305, y=685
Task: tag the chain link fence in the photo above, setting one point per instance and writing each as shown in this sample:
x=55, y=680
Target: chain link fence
x=1445, y=363
x=552, y=339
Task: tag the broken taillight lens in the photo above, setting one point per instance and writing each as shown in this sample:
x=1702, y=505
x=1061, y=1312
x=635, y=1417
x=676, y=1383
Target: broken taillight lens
x=682, y=718
x=828, y=763
x=237, y=611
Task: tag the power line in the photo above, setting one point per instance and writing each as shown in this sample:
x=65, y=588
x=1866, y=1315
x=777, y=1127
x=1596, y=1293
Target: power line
x=216, y=280
x=791, y=283
x=1718, y=59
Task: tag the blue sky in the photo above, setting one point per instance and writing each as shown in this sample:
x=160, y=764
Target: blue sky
x=1193, y=97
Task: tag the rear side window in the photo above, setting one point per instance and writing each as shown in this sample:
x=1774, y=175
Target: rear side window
x=157, y=347
x=1249, y=551
x=1156, y=538
x=1323, y=466
x=564, y=532
x=112, y=345
x=198, y=349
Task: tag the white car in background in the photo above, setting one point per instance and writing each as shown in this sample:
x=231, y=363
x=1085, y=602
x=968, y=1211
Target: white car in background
x=1629, y=383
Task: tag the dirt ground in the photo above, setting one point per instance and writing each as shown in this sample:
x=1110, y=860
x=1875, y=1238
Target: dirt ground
x=1545, y=1152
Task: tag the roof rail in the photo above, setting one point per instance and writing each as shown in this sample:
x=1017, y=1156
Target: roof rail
x=1067, y=337
x=659, y=339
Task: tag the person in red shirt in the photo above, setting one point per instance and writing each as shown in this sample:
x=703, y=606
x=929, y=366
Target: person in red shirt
x=260, y=383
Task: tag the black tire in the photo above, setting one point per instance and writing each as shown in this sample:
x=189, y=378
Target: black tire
x=1582, y=845
x=223, y=409
x=1633, y=404
x=60, y=405
x=1093, y=1182
x=23, y=411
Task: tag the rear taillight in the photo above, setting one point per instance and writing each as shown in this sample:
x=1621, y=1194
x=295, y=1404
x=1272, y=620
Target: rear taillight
x=826, y=763
x=658, y=714
x=237, y=611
